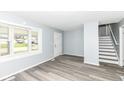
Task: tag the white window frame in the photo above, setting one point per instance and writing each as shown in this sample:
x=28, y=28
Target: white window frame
x=28, y=53
x=5, y=25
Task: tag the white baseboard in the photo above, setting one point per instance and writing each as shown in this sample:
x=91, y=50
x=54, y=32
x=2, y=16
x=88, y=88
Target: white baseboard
x=5, y=77
x=91, y=63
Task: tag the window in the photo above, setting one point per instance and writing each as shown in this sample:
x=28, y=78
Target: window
x=4, y=41
x=18, y=41
x=34, y=42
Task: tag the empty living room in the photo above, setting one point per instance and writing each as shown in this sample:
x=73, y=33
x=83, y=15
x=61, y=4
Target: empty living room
x=62, y=46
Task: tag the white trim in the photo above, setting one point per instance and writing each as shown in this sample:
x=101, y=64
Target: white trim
x=59, y=52
x=29, y=40
x=91, y=63
x=121, y=63
x=11, y=31
x=25, y=69
x=11, y=55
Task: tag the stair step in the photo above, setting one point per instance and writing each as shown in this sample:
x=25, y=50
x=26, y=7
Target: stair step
x=108, y=57
x=107, y=53
x=108, y=61
x=106, y=44
x=107, y=50
x=106, y=47
x=100, y=39
x=105, y=40
x=104, y=37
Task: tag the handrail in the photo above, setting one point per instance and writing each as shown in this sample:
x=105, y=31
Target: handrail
x=115, y=41
x=113, y=35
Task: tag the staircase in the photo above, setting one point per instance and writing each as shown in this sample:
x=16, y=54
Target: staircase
x=107, y=52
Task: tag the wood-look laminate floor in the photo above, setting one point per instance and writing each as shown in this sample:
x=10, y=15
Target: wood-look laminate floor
x=70, y=68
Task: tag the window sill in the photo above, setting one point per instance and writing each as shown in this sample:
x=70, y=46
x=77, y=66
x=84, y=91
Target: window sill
x=18, y=56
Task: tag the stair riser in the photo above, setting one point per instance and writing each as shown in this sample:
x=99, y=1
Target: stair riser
x=105, y=43
x=108, y=57
x=106, y=47
x=111, y=62
x=105, y=39
x=109, y=50
x=107, y=53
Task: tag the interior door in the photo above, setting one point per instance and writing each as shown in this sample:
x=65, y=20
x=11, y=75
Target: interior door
x=57, y=44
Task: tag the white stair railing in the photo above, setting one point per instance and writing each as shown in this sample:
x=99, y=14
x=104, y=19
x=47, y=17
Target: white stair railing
x=112, y=34
x=115, y=43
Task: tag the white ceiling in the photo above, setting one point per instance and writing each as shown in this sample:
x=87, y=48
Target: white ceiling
x=71, y=20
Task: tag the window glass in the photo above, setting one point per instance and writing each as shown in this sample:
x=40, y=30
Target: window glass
x=4, y=32
x=14, y=39
x=34, y=42
x=20, y=40
x=4, y=42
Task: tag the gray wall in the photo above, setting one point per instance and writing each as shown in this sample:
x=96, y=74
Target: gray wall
x=115, y=29
x=73, y=42
x=102, y=30
x=121, y=22
x=10, y=67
